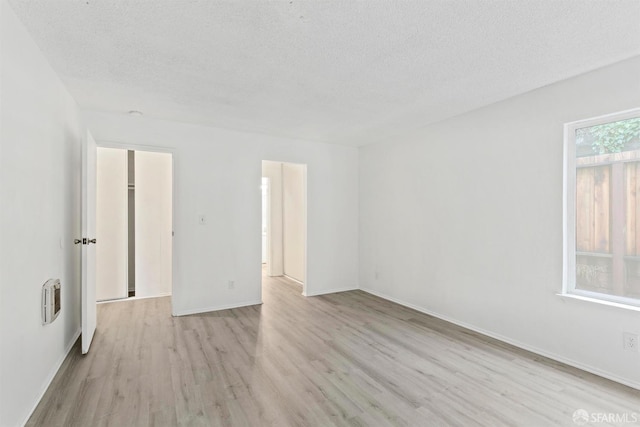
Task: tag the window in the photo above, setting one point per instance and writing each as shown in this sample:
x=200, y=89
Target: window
x=602, y=208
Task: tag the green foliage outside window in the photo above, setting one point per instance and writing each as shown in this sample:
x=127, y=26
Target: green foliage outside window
x=611, y=137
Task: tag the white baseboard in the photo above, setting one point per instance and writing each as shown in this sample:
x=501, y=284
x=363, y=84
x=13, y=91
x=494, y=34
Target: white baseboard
x=329, y=291
x=293, y=280
x=107, y=301
x=215, y=308
x=53, y=373
x=553, y=356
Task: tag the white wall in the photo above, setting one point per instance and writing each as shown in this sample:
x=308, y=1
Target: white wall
x=40, y=137
x=217, y=173
x=293, y=224
x=111, y=224
x=275, y=263
x=464, y=220
x=153, y=198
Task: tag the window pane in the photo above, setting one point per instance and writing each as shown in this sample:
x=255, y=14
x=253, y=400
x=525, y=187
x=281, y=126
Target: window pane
x=608, y=138
x=593, y=209
x=608, y=208
x=593, y=273
x=593, y=229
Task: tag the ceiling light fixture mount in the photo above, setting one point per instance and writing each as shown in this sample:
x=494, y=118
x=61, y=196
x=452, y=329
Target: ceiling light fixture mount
x=135, y=113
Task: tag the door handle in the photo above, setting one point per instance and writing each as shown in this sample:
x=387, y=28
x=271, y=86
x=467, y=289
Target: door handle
x=84, y=241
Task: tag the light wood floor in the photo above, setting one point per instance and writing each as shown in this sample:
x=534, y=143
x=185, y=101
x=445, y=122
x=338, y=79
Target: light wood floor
x=347, y=359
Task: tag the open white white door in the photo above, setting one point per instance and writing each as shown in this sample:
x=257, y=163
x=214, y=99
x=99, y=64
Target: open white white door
x=89, y=153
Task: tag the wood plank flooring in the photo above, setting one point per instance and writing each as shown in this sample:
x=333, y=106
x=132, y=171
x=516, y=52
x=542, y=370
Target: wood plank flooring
x=347, y=359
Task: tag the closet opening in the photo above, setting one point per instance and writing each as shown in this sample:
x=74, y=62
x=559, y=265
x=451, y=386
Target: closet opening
x=134, y=207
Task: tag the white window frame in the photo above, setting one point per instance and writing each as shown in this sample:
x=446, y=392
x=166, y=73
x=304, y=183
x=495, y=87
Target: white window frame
x=569, y=214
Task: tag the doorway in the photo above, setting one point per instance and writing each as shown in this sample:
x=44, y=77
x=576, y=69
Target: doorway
x=134, y=206
x=284, y=221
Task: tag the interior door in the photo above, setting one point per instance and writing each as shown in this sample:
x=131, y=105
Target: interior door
x=89, y=155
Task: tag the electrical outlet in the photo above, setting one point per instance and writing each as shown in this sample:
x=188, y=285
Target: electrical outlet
x=232, y=284
x=630, y=341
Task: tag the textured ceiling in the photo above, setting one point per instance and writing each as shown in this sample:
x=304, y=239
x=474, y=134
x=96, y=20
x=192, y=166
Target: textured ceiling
x=348, y=72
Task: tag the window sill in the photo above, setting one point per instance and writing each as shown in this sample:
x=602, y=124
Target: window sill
x=600, y=301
